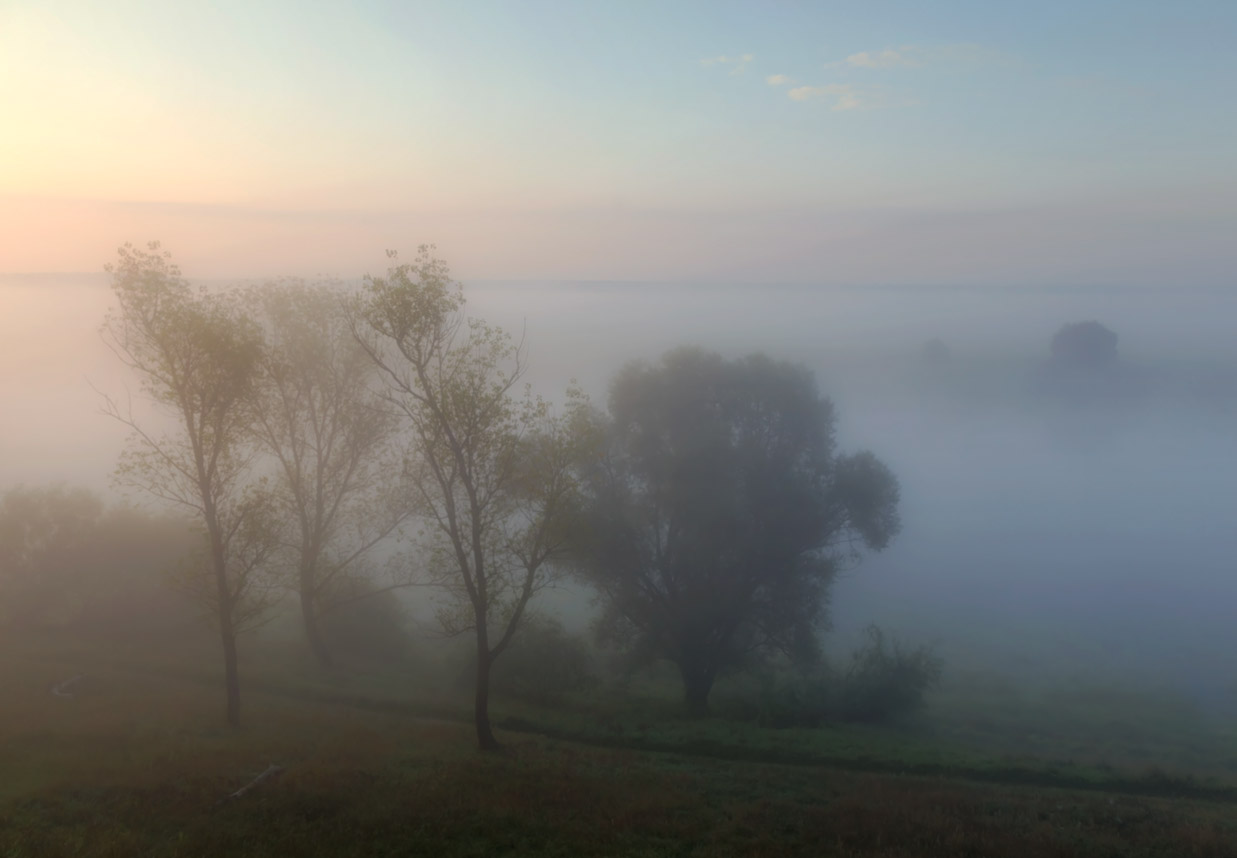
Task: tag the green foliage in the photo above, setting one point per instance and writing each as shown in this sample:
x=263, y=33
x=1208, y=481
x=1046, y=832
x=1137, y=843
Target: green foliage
x=544, y=662
x=46, y=537
x=197, y=354
x=883, y=681
x=721, y=512
x=317, y=417
x=779, y=697
x=68, y=563
x=886, y=680
x=796, y=700
x=368, y=626
x=490, y=472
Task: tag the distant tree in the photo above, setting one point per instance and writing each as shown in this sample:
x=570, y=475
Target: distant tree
x=330, y=434
x=491, y=472
x=886, y=679
x=46, y=537
x=935, y=352
x=1084, y=345
x=197, y=357
x=69, y=564
x=127, y=590
x=545, y=662
x=367, y=623
x=721, y=512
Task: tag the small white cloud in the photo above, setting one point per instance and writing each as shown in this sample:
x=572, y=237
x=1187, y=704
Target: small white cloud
x=886, y=59
x=848, y=101
x=960, y=57
x=737, y=64
x=842, y=96
x=778, y=80
x=808, y=93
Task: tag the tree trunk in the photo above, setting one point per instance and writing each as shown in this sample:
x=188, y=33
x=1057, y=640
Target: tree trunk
x=697, y=683
x=231, y=674
x=481, y=708
x=227, y=631
x=313, y=630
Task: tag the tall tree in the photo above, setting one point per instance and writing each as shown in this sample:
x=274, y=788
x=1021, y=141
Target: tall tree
x=492, y=472
x=329, y=434
x=197, y=357
x=721, y=512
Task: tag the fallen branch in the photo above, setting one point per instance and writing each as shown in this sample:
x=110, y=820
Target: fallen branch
x=62, y=690
x=271, y=771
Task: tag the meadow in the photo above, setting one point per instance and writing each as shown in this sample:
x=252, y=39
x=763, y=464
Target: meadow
x=382, y=761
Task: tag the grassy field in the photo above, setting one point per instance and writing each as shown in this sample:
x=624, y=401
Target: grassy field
x=137, y=763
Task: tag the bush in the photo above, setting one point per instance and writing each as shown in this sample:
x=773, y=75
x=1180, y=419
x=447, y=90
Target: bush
x=885, y=680
x=542, y=663
x=70, y=565
x=777, y=695
x=370, y=626
x=796, y=699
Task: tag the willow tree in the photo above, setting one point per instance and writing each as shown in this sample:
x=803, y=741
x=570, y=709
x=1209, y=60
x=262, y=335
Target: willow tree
x=197, y=357
x=721, y=512
x=329, y=434
x=490, y=470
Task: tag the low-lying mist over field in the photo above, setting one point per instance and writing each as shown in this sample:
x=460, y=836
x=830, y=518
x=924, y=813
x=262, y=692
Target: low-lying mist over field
x=1054, y=529
x=604, y=429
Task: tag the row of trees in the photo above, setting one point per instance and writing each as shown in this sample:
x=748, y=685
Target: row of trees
x=312, y=425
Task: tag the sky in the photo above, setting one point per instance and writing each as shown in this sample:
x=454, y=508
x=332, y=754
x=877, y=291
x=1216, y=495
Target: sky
x=956, y=142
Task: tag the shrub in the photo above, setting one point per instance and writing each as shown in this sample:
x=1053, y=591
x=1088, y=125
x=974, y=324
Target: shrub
x=70, y=565
x=543, y=662
x=796, y=699
x=777, y=695
x=370, y=626
x=886, y=680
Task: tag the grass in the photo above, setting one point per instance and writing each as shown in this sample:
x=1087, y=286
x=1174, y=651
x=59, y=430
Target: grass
x=137, y=763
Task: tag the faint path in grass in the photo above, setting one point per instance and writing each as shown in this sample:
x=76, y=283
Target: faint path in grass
x=578, y=730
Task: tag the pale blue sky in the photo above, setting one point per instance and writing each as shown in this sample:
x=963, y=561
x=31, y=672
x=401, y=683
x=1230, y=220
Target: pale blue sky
x=902, y=141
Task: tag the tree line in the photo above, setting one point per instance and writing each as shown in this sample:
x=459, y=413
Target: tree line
x=306, y=428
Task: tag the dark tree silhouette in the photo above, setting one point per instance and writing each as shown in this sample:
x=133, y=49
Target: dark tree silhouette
x=721, y=512
x=934, y=352
x=1084, y=345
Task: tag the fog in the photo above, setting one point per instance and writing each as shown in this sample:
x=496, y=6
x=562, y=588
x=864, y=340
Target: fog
x=1044, y=536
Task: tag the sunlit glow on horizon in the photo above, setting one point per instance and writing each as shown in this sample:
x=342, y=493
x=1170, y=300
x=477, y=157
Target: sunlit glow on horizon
x=254, y=139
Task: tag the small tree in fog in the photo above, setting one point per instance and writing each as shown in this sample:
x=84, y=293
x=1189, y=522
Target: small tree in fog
x=47, y=536
x=329, y=434
x=721, y=512
x=491, y=472
x=1084, y=345
x=197, y=358
x=69, y=564
x=886, y=679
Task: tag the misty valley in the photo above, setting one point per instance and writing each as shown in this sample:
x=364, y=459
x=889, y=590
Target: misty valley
x=807, y=429
x=899, y=542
